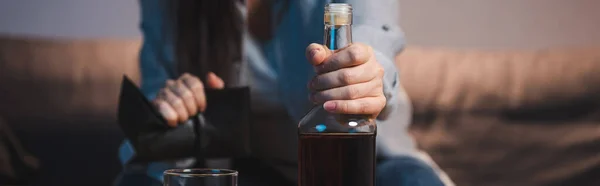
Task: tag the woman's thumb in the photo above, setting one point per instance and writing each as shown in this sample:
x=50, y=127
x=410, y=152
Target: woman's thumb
x=213, y=81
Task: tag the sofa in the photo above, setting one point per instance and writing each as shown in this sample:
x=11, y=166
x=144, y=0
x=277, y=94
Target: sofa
x=485, y=117
x=59, y=96
x=526, y=117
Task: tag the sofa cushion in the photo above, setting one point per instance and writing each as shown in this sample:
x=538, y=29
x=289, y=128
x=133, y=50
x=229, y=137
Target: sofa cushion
x=60, y=97
x=507, y=117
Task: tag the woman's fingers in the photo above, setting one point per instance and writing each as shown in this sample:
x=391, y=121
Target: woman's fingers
x=184, y=97
x=194, y=84
x=167, y=112
x=180, y=89
x=349, y=80
x=344, y=77
x=350, y=92
x=175, y=102
x=214, y=81
x=368, y=105
x=325, y=61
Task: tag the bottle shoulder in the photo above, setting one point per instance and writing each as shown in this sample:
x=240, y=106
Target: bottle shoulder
x=318, y=120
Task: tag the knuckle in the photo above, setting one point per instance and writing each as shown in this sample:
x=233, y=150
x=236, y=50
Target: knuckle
x=353, y=92
x=187, y=94
x=380, y=70
x=383, y=101
x=321, y=96
x=176, y=102
x=195, y=85
x=162, y=94
x=182, y=89
x=379, y=91
x=375, y=90
x=347, y=76
x=381, y=75
x=314, y=82
x=195, y=79
x=354, y=53
x=185, y=76
x=317, y=96
x=157, y=103
x=379, y=84
x=170, y=82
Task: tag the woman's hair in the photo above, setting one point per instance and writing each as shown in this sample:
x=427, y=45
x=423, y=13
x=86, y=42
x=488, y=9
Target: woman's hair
x=206, y=35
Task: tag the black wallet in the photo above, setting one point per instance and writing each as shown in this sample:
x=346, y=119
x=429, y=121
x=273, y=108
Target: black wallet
x=222, y=131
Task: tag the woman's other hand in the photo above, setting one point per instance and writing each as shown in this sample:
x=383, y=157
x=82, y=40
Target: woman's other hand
x=182, y=98
x=348, y=81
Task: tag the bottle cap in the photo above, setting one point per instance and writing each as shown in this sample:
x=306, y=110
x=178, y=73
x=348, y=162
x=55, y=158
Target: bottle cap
x=338, y=14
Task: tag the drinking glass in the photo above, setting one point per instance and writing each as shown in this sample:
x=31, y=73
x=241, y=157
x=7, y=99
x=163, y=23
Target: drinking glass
x=200, y=177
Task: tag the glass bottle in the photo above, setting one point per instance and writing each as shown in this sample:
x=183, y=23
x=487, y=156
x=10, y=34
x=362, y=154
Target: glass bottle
x=336, y=149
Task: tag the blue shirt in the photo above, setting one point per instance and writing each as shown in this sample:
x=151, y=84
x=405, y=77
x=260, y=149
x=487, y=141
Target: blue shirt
x=279, y=72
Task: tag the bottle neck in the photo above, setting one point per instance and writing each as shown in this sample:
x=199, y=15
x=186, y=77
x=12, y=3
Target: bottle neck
x=337, y=36
x=338, y=25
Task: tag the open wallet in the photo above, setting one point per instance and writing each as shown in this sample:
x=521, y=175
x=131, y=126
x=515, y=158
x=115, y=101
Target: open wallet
x=222, y=131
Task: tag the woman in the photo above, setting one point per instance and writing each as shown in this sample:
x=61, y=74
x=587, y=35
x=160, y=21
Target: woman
x=276, y=50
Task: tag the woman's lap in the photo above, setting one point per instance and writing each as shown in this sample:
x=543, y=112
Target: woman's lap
x=400, y=171
x=406, y=171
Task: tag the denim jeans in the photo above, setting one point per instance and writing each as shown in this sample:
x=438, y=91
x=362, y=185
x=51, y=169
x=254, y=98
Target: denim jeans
x=400, y=171
x=406, y=171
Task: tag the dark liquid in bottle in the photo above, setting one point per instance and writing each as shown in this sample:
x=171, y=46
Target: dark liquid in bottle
x=337, y=159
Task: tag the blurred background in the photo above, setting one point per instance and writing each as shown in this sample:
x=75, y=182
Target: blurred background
x=501, y=24
x=61, y=62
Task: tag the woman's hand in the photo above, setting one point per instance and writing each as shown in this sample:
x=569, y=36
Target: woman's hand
x=348, y=81
x=184, y=97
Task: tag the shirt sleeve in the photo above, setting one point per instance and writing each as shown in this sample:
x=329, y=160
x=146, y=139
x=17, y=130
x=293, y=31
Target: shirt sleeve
x=156, y=55
x=155, y=66
x=376, y=23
